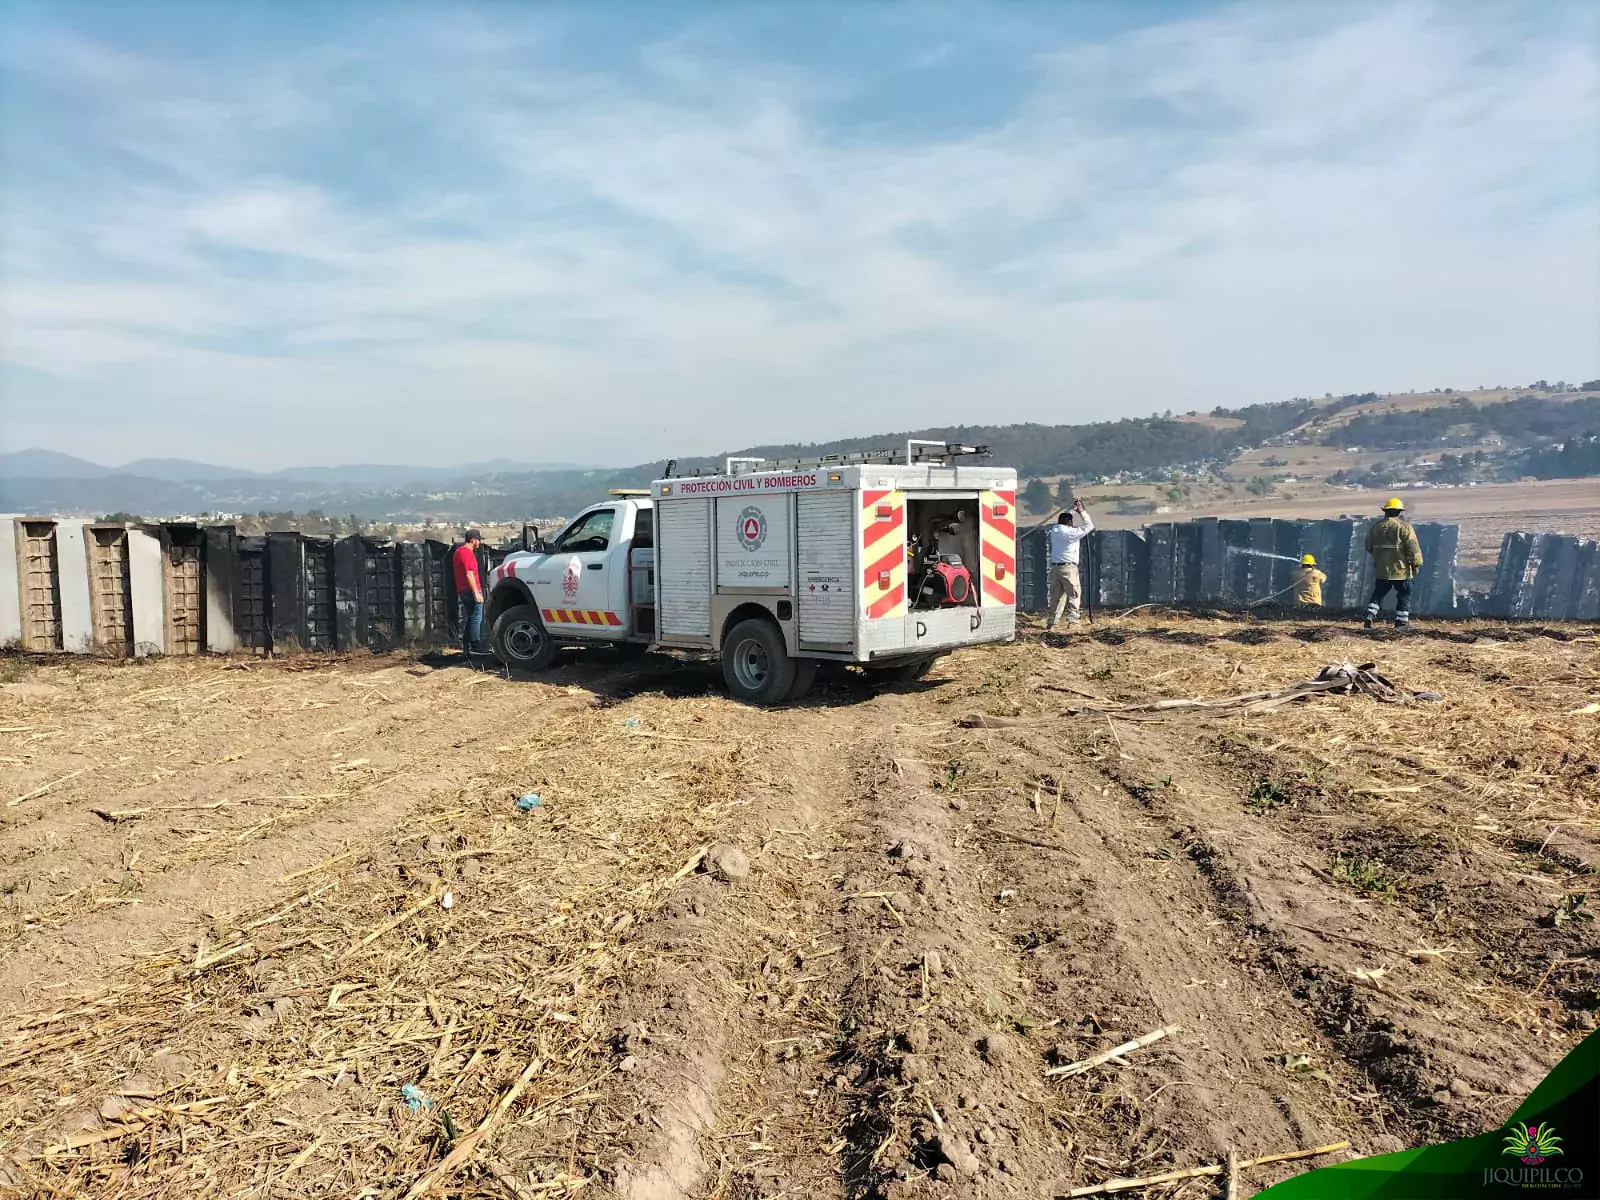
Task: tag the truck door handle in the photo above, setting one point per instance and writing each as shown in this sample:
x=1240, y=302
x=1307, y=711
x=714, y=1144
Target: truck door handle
x=597, y=566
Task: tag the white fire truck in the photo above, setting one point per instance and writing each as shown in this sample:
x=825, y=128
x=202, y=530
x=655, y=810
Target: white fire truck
x=885, y=560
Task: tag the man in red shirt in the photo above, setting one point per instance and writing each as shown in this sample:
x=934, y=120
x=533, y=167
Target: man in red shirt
x=469, y=592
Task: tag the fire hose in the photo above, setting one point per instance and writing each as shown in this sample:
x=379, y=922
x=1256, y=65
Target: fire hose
x=1274, y=596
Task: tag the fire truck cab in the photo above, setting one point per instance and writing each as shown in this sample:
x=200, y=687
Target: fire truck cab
x=887, y=561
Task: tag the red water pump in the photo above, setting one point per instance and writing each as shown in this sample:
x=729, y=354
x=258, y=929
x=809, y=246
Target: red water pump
x=948, y=582
x=939, y=580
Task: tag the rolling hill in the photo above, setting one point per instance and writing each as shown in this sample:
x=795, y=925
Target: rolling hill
x=1544, y=429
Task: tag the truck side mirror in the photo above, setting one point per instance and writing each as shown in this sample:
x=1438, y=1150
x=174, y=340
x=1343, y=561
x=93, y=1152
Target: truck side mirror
x=540, y=546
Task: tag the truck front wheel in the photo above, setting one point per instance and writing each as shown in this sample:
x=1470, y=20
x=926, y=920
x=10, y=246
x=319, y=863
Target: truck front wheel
x=521, y=641
x=755, y=663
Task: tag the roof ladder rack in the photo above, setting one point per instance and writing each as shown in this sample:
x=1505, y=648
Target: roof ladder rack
x=917, y=452
x=834, y=460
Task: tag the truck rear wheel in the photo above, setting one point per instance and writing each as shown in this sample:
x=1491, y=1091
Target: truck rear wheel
x=902, y=672
x=756, y=664
x=805, y=674
x=521, y=640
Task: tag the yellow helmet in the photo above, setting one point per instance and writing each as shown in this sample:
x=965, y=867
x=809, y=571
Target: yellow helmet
x=1308, y=560
x=1394, y=504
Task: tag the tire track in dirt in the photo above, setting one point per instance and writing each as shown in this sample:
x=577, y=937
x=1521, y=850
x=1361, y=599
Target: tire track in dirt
x=867, y=988
x=731, y=1038
x=1293, y=926
x=947, y=1032
x=1159, y=952
x=1449, y=1061
x=968, y=963
x=941, y=1084
x=1415, y=948
x=1097, y=942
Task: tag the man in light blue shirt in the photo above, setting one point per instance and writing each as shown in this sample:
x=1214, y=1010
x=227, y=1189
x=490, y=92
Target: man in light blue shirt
x=1064, y=538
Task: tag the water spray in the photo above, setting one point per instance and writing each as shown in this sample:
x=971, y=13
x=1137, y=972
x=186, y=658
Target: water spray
x=1260, y=554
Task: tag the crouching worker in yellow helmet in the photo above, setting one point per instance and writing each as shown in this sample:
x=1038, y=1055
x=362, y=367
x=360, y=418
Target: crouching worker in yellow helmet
x=1396, y=559
x=1308, y=583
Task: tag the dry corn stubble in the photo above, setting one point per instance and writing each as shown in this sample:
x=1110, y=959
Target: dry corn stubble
x=298, y=1028
x=192, y=756
x=313, y=1034
x=1505, y=770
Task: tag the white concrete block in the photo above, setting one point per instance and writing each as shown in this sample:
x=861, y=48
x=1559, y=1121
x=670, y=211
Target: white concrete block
x=10, y=585
x=72, y=578
x=145, y=586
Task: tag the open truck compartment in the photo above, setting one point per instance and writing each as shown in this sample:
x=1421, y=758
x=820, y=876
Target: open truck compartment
x=942, y=552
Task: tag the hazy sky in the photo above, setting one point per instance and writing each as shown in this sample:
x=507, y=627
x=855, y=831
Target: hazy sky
x=278, y=233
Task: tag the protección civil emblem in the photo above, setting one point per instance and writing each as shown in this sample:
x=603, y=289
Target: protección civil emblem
x=752, y=528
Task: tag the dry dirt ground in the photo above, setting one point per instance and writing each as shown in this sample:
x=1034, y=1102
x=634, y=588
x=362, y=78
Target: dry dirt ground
x=255, y=914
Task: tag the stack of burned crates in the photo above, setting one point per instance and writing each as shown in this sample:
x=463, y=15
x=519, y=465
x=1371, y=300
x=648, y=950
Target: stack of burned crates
x=1252, y=562
x=300, y=593
x=1235, y=564
x=1243, y=563
x=1550, y=576
x=179, y=588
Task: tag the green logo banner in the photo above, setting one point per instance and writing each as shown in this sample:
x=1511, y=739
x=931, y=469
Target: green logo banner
x=1549, y=1147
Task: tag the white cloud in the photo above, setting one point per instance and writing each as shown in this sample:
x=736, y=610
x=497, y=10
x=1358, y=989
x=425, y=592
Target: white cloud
x=268, y=220
x=462, y=227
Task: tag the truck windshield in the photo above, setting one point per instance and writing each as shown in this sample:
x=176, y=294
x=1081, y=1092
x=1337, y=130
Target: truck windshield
x=590, y=532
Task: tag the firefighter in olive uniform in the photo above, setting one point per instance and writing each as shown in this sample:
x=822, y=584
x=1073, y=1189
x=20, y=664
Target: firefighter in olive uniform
x=1396, y=559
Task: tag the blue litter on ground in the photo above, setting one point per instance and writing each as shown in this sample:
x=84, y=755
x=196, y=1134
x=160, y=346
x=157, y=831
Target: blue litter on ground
x=631, y=723
x=530, y=800
x=416, y=1099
